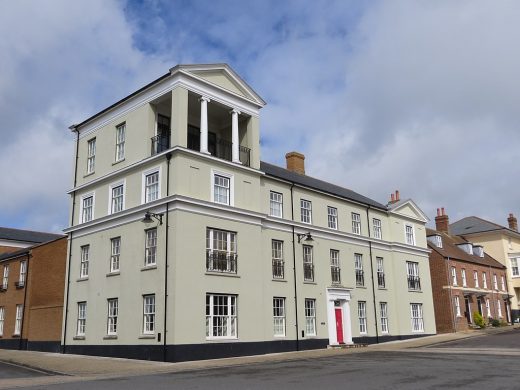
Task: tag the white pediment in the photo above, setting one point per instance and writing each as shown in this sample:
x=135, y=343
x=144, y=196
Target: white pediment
x=409, y=209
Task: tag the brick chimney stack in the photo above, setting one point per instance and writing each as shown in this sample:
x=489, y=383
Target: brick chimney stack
x=295, y=162
x=394, y=197
x=513, y=223
x=442, y=221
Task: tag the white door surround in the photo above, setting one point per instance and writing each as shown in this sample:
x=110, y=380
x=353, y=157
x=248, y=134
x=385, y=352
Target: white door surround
x=342, y=296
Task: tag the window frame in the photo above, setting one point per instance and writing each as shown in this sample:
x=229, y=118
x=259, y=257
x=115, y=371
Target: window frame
x=356, y=223
x=18, y=320
x=2, y=320
x=230, y=319
x=273, y=201
x=454, y=281
x=409, y=236
x=358, y=270
x=463, y=277
x=82, y=216
x=458, y=313
x=305, y=212
x=475, y=279
x=377, y=228
x=384, y=317
x=279, y=316
x=277, y=259
x=380, y=269
x=503, y=283
x=515, y=266
x=5, y=278
x=310, y=317
x=148, y=247
x=149, y=316
x=23, y=273
x=417, y=320
x=84, y=261
x=484, y=280
x=91, y=156
x=144, y=175
x=112, y=316
x=81, y=323
x=335, y=266
x=332, y=217
x=111, y=198
x=115, y=257
x=231, y=190
x=230, y=253
x=120, y=144
x=362, y=317
x=413, y=276
x=308, y=263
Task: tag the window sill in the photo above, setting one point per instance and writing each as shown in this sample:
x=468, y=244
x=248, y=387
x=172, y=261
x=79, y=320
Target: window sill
x=147, y=337
x=309, y=282
x=16, y=336
x=114, y=273
x=89, y=174
x=149, y=267
x=361, y=286
x=223, y=339
x=110, y=337
x=279, y=280
x=78, y=338
x=118, y=161
x=382, y=288
x=82, y=279
x=226, y=274
x=415, y=291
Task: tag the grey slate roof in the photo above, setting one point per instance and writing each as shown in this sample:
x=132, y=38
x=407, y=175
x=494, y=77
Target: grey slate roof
x=471, y=225
x=10, y=255
x=28, y=236
x=307, y=181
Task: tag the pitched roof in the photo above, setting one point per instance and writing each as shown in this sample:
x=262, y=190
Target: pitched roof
x=307, y=181
x=29, y=236
x=451, y=250
x=474, y=224
x=11, y=255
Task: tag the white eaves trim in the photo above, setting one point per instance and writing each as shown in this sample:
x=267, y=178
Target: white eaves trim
x=422, y=216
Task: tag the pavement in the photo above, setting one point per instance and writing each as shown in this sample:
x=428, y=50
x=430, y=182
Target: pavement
x=55, y=368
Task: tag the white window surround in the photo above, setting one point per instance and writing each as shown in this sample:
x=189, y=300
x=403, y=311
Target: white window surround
x=275, y=204
x=488, y=307
x=454, y=276
x=221, y=316
x=515, y=267
x=463, y=277
x=356, y=223
x=457, y=306
x=279, y=317
x=18, y=320
x=305, y=211
x=383, y=310
x=484, y=280
x=149, y=311
x=417, y=317
x=378, y=230
x=332, y=217
x=362, y=316
x=503, y=283
x=120, y=142
x=113, y=313
x=115, y=254
x=409, y=234
x=5, y=280
x=82, y=319
x=231, y=178
x=475, y=279
x=2, y=317
x=310, y=317
x=143, y=182
x=23, y=272
x=82, y=198
x=84, y=261
x=91, y=155
x=110, y=193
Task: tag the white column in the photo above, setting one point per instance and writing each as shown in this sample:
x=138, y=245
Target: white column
x=204, y=124
x=235, y=151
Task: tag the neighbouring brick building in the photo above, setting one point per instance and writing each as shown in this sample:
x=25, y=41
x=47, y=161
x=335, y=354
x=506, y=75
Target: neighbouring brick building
x=465, y=280
x=12, y=240
x=31, y=296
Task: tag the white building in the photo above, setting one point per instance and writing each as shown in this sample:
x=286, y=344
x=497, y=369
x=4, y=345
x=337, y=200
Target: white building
x=235, y=256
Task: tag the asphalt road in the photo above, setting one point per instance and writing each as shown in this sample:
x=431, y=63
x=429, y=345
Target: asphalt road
x=439, y=368
x=10, y=371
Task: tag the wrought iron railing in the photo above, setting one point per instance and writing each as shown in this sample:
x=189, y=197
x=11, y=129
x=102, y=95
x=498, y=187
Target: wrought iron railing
x=278, y=269
x=335, y=274
x=308, y=272
x=220, y=261
x=160, y=143
x=414, y=283
x=360, y=278
x=380, y=279
x=221, y=148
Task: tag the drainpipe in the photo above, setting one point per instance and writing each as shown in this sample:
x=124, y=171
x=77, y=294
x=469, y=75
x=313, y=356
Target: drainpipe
x=294, y=272
x=168, y=159
x=24, y=301
x=66, y=308
x=372, y=276
x=453, y=314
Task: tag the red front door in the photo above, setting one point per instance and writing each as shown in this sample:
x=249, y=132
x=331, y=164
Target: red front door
x=339, y=325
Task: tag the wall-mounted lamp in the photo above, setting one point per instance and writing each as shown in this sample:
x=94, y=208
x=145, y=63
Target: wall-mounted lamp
x=308, y=237
x=149, y=215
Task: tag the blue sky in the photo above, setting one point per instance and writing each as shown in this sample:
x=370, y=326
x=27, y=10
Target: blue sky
x=418, y=96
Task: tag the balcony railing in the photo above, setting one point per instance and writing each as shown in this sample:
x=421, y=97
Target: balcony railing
x=278, y=271
x=414, y=283
x=220, y=261
x=220, y=148
x=308, y=272
x=335, y=274
x=380, y=279
x=360, y=277
x=160, y=143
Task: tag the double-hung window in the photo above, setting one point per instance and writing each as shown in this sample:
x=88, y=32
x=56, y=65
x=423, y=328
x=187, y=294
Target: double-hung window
x=221, y=251
x=414, y=281
x=383, y=309
x=499, y=309
x=221, y=189
x=362, y=314
x=151, y=187
x=221, y=316
x=488, y=308
x=82, y=319
x=454, y=276
x=275, y=204
x=84, y=260
x=358, y=265
x=484, y=280
x=91, y=155
x=409, y=234
x=356, y=223
x=279, y=317
x=18, y=320
x=308, y=265
x=332, y=217
x=376, y=224
x=457, y=306
x=503, y=283
x=5, y=280
x=417, y=317
x=475, y=279
x=120, y=141
x=305, y=211
x=381, y=282
x=495, y=282
x=113, y=313
x=310, y=317
x=150, y=249
x=277, y=254
x=23, y=273
x=2, y=316
x=87, y=209
x=515, y=271
x=149, y=314
x=335, y=269
x=115, y=252
x=463, y=276
x=117, y=197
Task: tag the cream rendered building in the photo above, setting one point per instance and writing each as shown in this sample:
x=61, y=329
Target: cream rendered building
x=503, y=243
x=235, y=256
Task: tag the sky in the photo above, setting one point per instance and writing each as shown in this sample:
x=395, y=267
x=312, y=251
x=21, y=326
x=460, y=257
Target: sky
x=416, y=96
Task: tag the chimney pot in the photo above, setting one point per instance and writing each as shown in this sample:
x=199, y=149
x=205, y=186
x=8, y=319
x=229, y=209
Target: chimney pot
x=438, y=212
x=295, y=162
x=513, y=223
x=392, y=198
x=397, y=197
